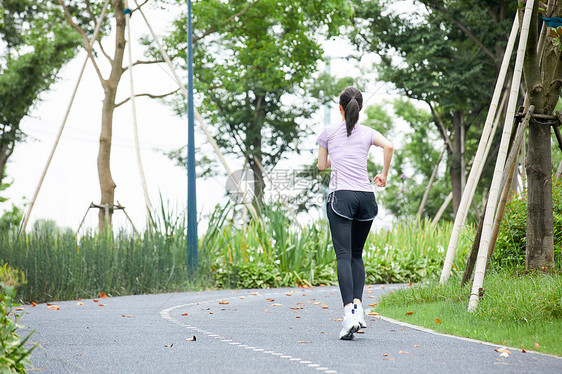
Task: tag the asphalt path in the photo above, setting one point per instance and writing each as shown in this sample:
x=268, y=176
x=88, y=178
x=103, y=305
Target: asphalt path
x=289, y=330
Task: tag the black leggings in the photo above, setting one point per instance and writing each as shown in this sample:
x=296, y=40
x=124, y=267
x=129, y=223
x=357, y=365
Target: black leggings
x=348, y=236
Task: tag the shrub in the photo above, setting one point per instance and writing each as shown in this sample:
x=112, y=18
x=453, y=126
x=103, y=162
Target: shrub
x=510, y=246
x=13, y=355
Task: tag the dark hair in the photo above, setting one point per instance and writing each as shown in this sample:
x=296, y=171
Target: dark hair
x=351, y=100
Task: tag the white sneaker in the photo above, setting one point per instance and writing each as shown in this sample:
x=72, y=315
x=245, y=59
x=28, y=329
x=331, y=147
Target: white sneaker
x=350, y=325
x=360, y=315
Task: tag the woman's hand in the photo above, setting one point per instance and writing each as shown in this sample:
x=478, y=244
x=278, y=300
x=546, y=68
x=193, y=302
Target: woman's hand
x=380, y=180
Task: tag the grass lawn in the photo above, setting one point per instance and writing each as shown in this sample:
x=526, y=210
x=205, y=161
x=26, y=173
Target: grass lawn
x=520, y=311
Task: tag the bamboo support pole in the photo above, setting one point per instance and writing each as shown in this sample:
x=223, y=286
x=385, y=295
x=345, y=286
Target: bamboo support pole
x=500, y=162
x=197, y=115
x=441, y=210
x=431, y=179
x=67, y=113
x=479, y=159
x=559, y=171
x=134, y=110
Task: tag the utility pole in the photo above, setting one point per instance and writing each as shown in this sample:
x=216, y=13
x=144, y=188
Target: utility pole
x=191, y=190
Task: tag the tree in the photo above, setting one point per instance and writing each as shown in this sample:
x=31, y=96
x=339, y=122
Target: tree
x=36, y=44
x=85, y=12
x=543, y=79
x=252, y=59
x=446, y=54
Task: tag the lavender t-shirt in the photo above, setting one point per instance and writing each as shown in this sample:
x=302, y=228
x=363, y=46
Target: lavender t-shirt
x=348, y=156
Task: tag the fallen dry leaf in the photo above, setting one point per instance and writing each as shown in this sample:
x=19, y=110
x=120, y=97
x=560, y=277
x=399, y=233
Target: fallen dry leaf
x=242, y=297
x=270, y=300
x=298, y=316
x=416, y=345
x=302, y=341
x=79, y=303
x=192, y=339
x=53, y=307
x=385, y=354
x=19, y=308
x=211, y=313
x=325, y=307
x=523, y=350
x=383, y=287
x=317, y=303
x=438, y=320
x=266, y=310
x=206, y=308
x=300, y=304
x=403, y=329
x=338, y=319
x=373, y=314
x=369, y=291
x=254, y=293
x=169, y=345
x=289, y=294
x=375, y=304
x=101, y=304
x=103, y=295
x=409, y=284
x=298, y=307
x=184, y=314
x=224, y=302
x=504, y=354
x=276, y=304
x=409, y=313
x=403, y=352
x=95, y=301
x=389, y=359
x=33, y=303
x=360, y=332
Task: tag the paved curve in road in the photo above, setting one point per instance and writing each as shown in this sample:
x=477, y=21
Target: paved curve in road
x=289, y=330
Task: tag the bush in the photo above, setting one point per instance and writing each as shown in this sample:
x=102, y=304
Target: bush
x=13, y=355
x=510, y=246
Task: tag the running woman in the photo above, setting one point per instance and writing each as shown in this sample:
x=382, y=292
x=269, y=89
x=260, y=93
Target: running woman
x=351, y=205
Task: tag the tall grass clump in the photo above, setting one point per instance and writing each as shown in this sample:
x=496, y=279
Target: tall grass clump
x=273, y=251
x=59, y=266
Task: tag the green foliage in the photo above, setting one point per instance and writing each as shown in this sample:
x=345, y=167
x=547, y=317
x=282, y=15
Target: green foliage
x=13, y=355
x=247, y=68
x=509, y=251
x=37, y=44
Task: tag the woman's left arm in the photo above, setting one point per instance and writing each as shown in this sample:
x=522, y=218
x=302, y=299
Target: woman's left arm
x=386, y=145
x=323, y=158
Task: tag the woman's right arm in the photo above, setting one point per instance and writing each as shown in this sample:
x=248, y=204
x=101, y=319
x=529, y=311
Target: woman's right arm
x=386, y=145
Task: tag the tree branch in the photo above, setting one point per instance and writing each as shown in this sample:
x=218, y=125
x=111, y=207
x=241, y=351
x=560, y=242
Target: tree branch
x=214, y=29
x=144, y=63
x=442, y=129
x=439, y=7
x=87, y=44
x=149, y=95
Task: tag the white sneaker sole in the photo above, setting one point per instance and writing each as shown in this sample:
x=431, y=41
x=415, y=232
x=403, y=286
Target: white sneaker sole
x=349, y=334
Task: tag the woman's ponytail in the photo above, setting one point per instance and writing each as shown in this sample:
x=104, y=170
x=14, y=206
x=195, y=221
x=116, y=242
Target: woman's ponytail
x=351, y=101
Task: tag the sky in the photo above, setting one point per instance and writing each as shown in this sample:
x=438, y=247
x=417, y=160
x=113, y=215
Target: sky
x=71, y=183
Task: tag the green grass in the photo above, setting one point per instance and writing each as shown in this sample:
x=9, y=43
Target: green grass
x=518, y=310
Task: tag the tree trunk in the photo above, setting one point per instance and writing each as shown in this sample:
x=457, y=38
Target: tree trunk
x=455, y=168
x=540, y=239
x=6, y=150
x=254, y=149
x=543, y=79
x=107, y=185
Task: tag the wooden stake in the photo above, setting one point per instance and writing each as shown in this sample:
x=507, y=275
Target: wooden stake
x=500, y=162
x=479, y=159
